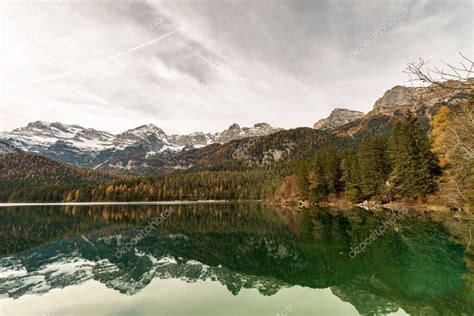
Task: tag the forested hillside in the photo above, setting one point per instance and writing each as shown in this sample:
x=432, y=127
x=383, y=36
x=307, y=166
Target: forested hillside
x=382, y=168
x=251, y=168
x=275, y=151
x=24, y=175
x=205, y=185
x=409, y=162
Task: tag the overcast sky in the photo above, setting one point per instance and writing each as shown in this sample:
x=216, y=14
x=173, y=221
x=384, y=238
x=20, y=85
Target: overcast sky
x=202, y=65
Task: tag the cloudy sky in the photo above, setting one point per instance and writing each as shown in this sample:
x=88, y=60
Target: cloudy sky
x=202, y=65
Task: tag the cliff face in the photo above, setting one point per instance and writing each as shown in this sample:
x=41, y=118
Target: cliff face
x=422, y=100
x=338, y=117
x=398, y=97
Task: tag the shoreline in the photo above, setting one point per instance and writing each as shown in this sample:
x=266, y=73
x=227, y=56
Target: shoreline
x=14, y=204
x=371, y=206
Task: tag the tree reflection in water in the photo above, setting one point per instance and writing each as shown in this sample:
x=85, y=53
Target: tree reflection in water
x=416, y=264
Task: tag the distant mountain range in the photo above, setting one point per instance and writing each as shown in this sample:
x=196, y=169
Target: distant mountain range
x=87, y=147
x=148, y=150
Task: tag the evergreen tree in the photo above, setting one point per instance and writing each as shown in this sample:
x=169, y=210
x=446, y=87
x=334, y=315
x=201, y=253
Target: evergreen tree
x=350, y=175
x=374, y=166
x=415, y=166
x=325, y=176
x=329, y=158
x=301, y=175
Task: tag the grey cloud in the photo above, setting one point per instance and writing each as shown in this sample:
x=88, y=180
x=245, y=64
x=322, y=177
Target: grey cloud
x=275, y=50
x=179, y=52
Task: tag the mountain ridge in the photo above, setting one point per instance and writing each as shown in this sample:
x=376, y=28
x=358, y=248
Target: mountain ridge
x=50, y=132
x=87, y=147
x=148, y=150
x=397, y=101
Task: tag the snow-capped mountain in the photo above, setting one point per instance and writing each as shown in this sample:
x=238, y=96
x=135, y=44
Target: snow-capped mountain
x=42, y=134
x=197, y=139
x=234, y=131
x=87, y=147
x=132, y=136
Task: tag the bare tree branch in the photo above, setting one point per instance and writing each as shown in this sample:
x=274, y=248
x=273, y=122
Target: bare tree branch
x=452, y=77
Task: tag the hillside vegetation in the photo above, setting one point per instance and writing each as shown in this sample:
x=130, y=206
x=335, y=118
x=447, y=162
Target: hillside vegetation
x=24, y=175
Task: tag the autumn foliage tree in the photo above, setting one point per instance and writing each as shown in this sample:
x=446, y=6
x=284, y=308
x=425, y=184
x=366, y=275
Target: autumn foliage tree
x=453, y=141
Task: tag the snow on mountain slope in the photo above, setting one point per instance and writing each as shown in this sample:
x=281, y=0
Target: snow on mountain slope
x=234, y=131
x=38, y=135
x=197, y=139
x=87, y=147
x=42, y=134
x=135, y=135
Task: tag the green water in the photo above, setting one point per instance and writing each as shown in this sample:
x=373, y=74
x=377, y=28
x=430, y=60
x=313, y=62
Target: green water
x=231, y=259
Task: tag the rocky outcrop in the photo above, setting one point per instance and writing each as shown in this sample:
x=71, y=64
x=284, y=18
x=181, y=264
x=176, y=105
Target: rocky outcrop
x=236, y=132
x=337, y=118
x=422, y=100
x=141, y=133
x=398, y=97
x=233, y=132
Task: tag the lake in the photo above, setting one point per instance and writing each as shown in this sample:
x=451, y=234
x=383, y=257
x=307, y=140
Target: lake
x=232, y=259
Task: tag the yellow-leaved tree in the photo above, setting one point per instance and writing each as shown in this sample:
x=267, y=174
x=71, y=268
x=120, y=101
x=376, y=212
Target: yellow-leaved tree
x=453, y=140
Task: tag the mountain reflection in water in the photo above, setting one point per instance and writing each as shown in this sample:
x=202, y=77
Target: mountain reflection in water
x=418, y=264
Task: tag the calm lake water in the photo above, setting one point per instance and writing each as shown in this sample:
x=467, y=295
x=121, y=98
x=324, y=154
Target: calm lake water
x=231, y=259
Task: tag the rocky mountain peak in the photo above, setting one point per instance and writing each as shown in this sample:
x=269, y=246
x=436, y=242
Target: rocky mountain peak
x=422, y=99
x=140, y=133
x=397, y=97
x=234, y=126
x=37, y=124
x=41, y=133
x=338, y=117
x=41, y=126
x=234, y=131
x=145, y=130
x=262, y=125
